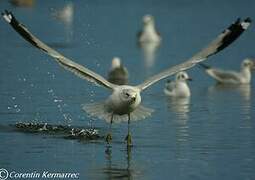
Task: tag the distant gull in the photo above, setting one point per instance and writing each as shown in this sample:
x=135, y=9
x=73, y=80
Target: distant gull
x=179, y=87
x=22, y=3
x=149, y=40
x=124, y=102
x=65, y=14
x=149, y=33
x=231, y=77
x=118, y=74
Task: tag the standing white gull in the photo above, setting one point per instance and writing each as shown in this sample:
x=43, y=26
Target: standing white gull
x=149, y=40
x=124, y=102
x=65, y=14
x=149, y=33
x=179, y=87
x=231, y=77
x=118, y=73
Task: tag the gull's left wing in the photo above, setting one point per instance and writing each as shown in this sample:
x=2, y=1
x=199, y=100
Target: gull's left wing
x=222, y=41
x=68, y=64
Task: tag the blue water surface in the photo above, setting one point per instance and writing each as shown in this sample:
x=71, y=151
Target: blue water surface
x=209, y=136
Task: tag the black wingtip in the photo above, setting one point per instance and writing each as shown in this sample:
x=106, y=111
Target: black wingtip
x=248, y=19
x=7, y=12
x=238, y=20
x=236, y=29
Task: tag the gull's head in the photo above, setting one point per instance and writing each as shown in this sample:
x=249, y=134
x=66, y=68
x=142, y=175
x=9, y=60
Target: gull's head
x=182, y=77
x=248, y=63
x=116, y=62
x=148, y=19
x=130, y=95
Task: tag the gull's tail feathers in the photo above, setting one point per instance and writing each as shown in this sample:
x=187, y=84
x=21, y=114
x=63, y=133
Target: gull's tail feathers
x=140, y=113
x=100, y=111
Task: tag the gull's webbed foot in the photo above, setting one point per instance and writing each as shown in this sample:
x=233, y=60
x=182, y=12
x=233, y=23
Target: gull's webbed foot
x=108, y=138
x=128, y=139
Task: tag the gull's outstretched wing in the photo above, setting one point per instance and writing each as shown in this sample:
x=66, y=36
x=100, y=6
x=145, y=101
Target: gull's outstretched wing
x=77, y=69
x=223, y=40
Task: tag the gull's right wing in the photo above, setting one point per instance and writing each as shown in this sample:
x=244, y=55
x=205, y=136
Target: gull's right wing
x=222, y=41
x=77, y=69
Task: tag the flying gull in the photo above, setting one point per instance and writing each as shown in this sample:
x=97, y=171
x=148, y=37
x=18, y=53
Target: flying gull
x=124, y=103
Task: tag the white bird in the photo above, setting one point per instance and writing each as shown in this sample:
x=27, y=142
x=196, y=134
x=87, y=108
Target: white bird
x=65, y=14
x=149, y=33
x=179, y=87
x=124, y=103
x=231, y=77
x=118, y=73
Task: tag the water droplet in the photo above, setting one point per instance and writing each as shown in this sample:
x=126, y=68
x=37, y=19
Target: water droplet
x=57, y=100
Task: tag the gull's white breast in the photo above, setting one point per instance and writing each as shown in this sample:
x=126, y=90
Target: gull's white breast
x=119, y=106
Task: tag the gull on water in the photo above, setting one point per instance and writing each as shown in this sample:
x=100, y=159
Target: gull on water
x=179, y=87
x=118, y=73
x=65, y=14
x=149, y=33
x=149, y=40
x=124, y=104
x=231, y=77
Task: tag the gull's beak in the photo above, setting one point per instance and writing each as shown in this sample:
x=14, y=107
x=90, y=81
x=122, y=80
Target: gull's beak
x=189, y=79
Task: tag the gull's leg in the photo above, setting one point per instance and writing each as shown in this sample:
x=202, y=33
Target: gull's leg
x=108, y=138
x=128, y=137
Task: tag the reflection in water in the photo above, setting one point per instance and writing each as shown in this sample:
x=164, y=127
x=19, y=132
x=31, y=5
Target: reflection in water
x=180, y=106
x=244, y=90
x=113, y=171
x=149, y=50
